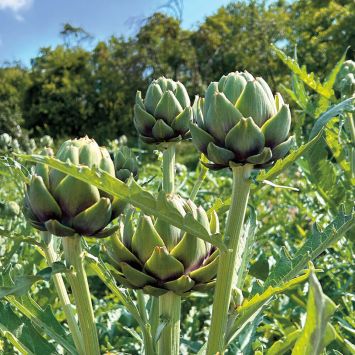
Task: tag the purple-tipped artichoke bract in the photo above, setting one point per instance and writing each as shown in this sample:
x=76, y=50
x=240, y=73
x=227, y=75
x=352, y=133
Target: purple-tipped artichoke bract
x=240, y=122
x=157, y=258
x=125, y=164
x=65, y=206
x=165, y=112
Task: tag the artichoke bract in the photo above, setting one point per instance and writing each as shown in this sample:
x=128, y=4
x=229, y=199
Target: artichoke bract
x=125, y=164
x=165, y=112
x=240, y=122
x=156, y=257
x=65, y=206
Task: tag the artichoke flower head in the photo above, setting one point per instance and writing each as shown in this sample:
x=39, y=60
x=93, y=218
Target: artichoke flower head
x=157, y=258
x=65, y=206
x=240, y=122
x=165, y=112
x=345, y=81
x=125, y=164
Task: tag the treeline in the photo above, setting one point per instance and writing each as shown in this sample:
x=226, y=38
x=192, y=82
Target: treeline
x=71, y=91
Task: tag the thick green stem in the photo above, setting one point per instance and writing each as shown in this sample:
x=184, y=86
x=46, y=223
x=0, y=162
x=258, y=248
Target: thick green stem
x=226, y=273
x=79, y=284
x=169, y=304
x=51, y=257
x=351, y=125
x=170, y=310
x=169, y=168
x=147, y=336
x=154, y=315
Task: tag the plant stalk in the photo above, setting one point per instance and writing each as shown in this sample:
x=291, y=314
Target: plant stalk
x=79, y=284
x=226, y=274
x=351, y=125
x=51, y=257
x=170, y=310
x=146, y=329
x=169, y=304
x=169, y=168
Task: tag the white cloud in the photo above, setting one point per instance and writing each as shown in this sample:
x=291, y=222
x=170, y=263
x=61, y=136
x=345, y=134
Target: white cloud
x=15, y=5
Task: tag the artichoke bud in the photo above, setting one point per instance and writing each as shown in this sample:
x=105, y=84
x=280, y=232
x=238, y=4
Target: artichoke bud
x=165, y=112
x=345, y=81
x=65, y=206
x=237, y=298
x=241, y=122
x=125, y=164
x=158, y=258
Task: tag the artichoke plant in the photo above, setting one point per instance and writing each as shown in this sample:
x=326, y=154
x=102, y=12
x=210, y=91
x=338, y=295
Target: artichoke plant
x=240, y=122
x=345, y=82
x=66, y=206
x=125, y=164
x=157, y=257
x=165, y=112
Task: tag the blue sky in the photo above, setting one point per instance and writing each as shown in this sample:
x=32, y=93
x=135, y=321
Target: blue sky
x=27, y=25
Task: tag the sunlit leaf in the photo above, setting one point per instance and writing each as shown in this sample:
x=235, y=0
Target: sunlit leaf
x=320, y=308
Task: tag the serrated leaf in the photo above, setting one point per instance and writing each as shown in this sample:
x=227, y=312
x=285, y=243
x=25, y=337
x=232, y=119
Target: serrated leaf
x=21, y=333
x=44, y=319
x=246, y=249
x=282, y=164
x=285, y=344
x=134, y=194
x=320, y=308
x=309, y=79
x=22, y=284
x=338, y=151
x=252, y=307
x=336, y=110
x=287, y=267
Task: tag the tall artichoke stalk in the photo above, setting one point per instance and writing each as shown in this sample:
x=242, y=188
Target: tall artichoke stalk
x=239, y=125
x=163, y=118
x=69, y=208
x=345, y=84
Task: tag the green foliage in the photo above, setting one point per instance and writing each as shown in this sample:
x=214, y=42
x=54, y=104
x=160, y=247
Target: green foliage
x=316, y=334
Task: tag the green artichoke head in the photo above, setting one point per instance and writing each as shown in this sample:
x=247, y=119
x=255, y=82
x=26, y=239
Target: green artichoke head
x=157, y=257
x=66, y=206
x=345, y=81
x=125, y=164
x=240, y=122
x=165, y=112
x=5, y=141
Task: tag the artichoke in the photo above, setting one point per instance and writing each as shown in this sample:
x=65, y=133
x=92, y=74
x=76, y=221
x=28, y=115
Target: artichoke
x=241, y=122
x=5, y=141
x=125, y=164
x=165, y=112
x=157, y=257
x=66, y=206
x=345, y=82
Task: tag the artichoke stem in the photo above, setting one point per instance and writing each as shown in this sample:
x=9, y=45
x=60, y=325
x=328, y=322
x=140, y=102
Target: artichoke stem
x=154, y=315
x=78, y=281
x=351, y=125
x=169, y=168
x=226, y=274
x=51, y=257
x=170, y=309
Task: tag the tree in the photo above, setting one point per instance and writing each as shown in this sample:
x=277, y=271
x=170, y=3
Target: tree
x=13, y=84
